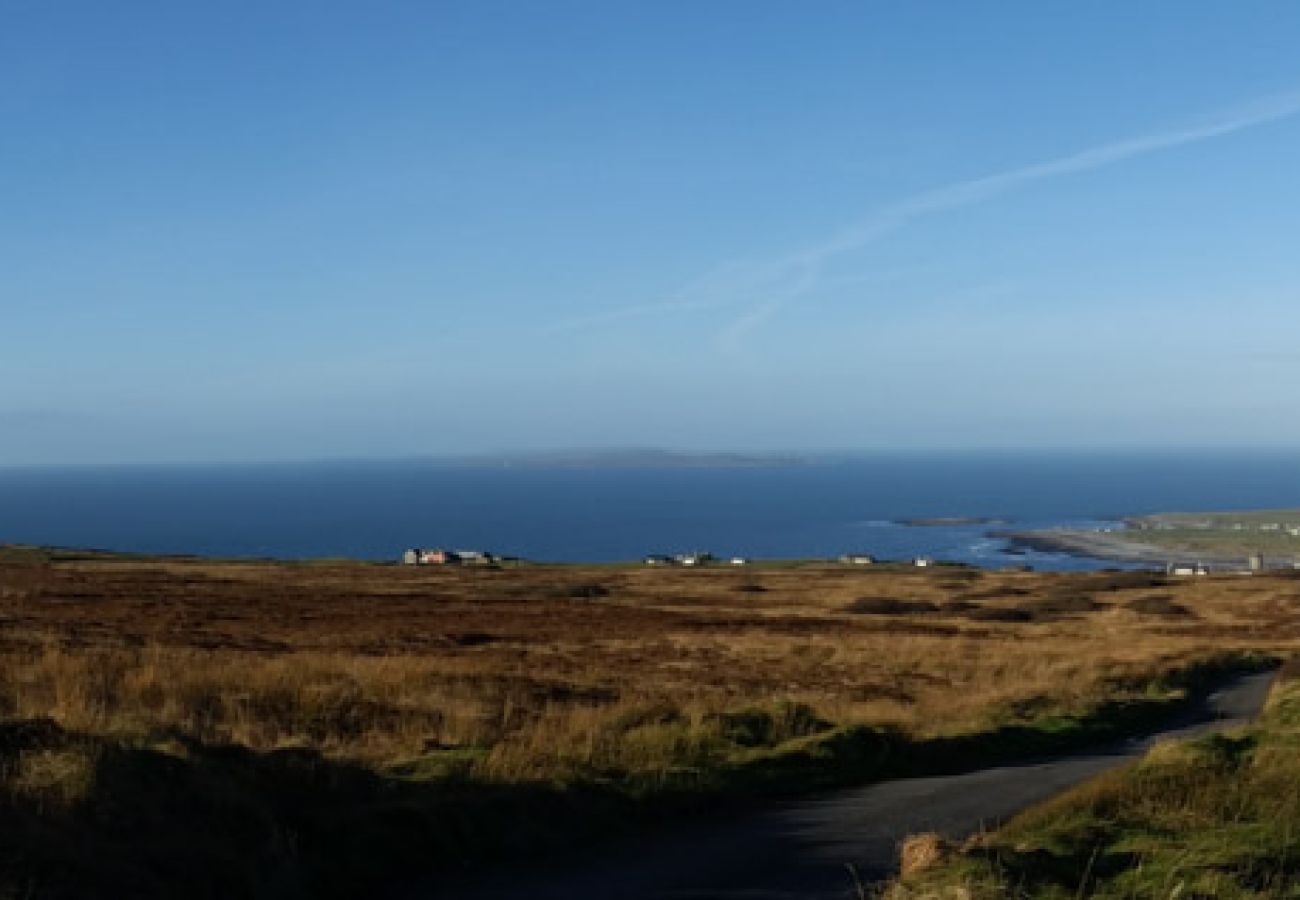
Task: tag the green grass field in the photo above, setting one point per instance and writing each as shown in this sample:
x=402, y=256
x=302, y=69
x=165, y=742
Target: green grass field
x=1269, y=532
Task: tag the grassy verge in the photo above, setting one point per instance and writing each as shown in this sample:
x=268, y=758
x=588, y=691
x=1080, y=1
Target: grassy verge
x=1218, y=816
x=165, y=814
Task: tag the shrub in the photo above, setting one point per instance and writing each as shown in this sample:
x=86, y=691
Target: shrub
x=889, y=606
x=585, y=591
x=1159, y=605
x=1068, y=603
x=757, y=727
x=999, y=614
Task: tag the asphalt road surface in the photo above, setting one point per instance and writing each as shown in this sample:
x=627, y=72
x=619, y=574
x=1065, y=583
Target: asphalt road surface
x=803, y=850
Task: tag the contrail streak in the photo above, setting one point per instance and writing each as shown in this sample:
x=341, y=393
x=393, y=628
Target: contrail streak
x=768, y=285
x=967, y=193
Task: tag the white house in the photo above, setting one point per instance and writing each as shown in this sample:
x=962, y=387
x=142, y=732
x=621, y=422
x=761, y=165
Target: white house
x=693, y=559
x=475, y=557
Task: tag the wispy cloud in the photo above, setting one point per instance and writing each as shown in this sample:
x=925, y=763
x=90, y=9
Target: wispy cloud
x=966, y=193
x=765, y=287
x=811, y=260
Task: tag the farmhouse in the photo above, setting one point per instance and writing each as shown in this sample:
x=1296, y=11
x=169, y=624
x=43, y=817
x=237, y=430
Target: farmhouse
x=475, y=557
x=693, y=559
x=858, y=559
x=438, y=557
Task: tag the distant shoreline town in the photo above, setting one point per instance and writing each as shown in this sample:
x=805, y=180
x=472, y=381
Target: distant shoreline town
x=417, y=556
x=1200, y=542
x=1181, y=543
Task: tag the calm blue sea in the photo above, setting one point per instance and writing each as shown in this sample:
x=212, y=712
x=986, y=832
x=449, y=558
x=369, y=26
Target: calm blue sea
x=373, y=510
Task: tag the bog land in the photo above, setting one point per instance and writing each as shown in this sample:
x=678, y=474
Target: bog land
x=225, y=729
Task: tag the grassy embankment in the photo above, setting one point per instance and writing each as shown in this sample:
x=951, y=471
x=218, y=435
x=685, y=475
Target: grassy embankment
x=1213, y=817
x=248, y=729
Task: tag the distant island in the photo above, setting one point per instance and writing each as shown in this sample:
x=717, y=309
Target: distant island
x=1214, y=537
x=625, y=458
x=947, y=521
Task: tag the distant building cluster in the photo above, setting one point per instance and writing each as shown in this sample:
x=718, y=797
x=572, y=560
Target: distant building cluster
x=687, y=559
x=1255, y=563
x=697, y=559
x=1290, y=528
x=858, y=559
x=438, y=557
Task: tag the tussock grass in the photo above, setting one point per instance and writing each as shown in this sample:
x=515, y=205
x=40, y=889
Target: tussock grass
x=1159, y=605
x=59, y=777
x=890, y=606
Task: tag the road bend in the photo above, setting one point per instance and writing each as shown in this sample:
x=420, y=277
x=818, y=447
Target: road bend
x=814, y=848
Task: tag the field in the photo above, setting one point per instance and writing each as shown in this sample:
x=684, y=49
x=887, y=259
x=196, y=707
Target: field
x=1225, y=539
x=1251, y=519
x=1224, y=534
x=259, y=729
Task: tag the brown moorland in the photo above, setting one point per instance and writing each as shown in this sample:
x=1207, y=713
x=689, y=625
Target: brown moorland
x=328, y=724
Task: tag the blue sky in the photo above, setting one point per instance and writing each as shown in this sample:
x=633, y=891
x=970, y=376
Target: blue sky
x=288, y=230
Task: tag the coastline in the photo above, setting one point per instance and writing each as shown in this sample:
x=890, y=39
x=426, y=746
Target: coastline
x=1120, y=546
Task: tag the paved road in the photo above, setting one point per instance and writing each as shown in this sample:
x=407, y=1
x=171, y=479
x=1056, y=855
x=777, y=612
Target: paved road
x=801, y=850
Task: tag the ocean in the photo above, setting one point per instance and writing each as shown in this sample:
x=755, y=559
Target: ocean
x=374, y=510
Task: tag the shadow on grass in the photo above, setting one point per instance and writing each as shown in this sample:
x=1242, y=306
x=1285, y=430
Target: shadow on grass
x=83, y=816
x=167, y=816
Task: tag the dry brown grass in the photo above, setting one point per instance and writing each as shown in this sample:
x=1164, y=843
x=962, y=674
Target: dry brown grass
x=541, y=679
x=919, y=852
x=211, y=730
